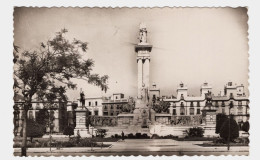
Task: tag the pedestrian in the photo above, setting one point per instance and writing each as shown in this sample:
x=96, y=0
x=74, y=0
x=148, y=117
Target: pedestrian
x=123, y=136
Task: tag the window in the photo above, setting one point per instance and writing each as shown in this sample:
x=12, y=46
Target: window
x=96, y=113
x=105, y=107
x=174, y=111
x=89, y=103
x=239, y=110
x=191, y=104
x=198, y=110
x=223, y=110
x=231, y=95
x=30, y=115
x=191, y=111
x=117, y=107
x=182, y=96
x=112, y=107
x=198, y=104
x=111, y=114
x=96, y=103
x=105, y=113
x=216, y=104
x=182, y=105
x=239, y=103
x=182, y=110
x=116, y=97
x=223, y=104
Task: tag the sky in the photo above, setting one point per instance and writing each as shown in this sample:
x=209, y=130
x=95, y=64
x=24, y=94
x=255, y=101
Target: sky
x=190, y=45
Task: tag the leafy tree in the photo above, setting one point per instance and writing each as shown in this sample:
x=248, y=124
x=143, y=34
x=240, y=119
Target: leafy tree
x=162, y=106
x=220, y=119
x=246, y=126
x=68, y=130
x=47, y=72
x=229, y=129
x=33, y=129
x=130, y=106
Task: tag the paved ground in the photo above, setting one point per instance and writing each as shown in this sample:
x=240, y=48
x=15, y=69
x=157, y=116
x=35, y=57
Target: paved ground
x=143, y=147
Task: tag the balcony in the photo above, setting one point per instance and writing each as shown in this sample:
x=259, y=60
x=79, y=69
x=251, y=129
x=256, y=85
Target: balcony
x=116, y=101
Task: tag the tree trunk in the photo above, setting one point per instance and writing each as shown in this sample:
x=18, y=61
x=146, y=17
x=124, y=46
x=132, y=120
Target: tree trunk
x=24, y=142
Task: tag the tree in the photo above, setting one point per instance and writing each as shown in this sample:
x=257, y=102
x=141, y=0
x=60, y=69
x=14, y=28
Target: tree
x=220, y=119
x=42, y=118
x=69, y=130
x=48, y=71
x=229, y=128
x=162, y=106
x=246, y=126
x=33, y=129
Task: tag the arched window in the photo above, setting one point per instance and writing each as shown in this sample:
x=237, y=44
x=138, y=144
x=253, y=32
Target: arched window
x=89, y=103
x=96, y=103
x=182, y=111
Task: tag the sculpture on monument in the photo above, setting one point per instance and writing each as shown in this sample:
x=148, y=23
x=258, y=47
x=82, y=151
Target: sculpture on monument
x=82, y=99
x=143, y=33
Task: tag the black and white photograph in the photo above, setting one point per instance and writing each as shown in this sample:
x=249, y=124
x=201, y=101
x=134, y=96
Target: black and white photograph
x=131, y=81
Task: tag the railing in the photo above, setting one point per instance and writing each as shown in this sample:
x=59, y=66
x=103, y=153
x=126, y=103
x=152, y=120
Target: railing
x=187, y=120
x=103, y=120
x=115, y=101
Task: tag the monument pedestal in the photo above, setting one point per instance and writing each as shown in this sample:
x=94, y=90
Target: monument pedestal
x=81, y=127
x=143, y=114
x=210, y=122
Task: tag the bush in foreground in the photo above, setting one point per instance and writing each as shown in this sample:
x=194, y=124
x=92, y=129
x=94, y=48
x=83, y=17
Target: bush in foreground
x=229, y=129
x=195, y=132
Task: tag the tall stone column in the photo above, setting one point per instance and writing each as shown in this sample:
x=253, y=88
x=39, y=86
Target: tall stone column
x=146, y=73
x=139, y=76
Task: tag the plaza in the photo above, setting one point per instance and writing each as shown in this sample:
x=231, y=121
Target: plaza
x=136, y=147
x=149, y=122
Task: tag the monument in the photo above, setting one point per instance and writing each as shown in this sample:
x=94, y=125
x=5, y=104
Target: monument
x=209, y=116
x=143, y=113
x=81, y=113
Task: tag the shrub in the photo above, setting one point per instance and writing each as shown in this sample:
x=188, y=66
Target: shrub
x=130, y=135
x=145, y=135
x=233, y=130
x=246, y=126
x=195, y=132
x=33, y=129
x=220, y=119
x=101, y=133
x=138, y=135
x=116, y=136
x=68, y=130
x=155, y=136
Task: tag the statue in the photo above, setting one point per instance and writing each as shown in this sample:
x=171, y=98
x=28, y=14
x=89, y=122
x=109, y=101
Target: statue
x=208, y=99
x=144, y=93
x=143, y=33
x=82, y=99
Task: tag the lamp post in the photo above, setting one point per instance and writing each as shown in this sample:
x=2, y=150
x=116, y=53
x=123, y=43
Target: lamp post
x=230, y=106
x=92, y=137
